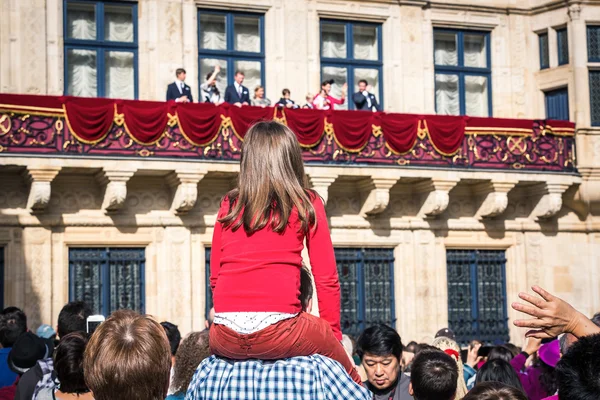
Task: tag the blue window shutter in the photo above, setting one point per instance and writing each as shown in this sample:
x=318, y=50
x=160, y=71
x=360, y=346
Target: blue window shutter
x=557, y=104
x=477, y=307
x=593, y=43
x=562, y=41
x=209, y=297
x=367, y=287
x=108, y=279
x=544, y=51
x=594, y=76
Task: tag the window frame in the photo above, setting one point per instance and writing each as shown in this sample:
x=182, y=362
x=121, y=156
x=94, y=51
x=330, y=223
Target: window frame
x=101, y=46
x=105, y=277
x=231, y=55
x=360, y=257
x=559, y=41
x=208, y=298
x=461, y=70
x=351, y=63
x=541, y=48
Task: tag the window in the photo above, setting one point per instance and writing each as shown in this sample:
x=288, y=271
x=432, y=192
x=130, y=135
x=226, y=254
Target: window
x=557, y=104
x=595, y=97
x=562, y=41
x=544, y=51
x=593, y=43
x=107, y=279
x=235, y=41
x=351, y=52
x=100, y=49
x=209, y=298
x=463, y=79
x=477, y=295
x=367, y=287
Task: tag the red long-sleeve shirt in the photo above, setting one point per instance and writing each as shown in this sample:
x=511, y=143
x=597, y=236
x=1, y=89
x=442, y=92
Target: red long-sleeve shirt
x=261, y=272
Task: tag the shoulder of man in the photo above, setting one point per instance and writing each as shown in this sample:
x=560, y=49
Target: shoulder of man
x=28, y=382
x=402, y=388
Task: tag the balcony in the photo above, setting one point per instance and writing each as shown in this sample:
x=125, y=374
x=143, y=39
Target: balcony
x=76, y=127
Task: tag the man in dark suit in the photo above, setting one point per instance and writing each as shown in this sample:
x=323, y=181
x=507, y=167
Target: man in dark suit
x=237, y=94
x=178, y=90
x=363, y=100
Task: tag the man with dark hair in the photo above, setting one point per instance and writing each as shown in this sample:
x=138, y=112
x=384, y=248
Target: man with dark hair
x=306, y=289
x=174, y=337
x=434, y=376
x=380, y=350
x=237, y=94
x=363, y=99
x=13, y=323
x=578, y=372
x=72, y=318
x=178, y=90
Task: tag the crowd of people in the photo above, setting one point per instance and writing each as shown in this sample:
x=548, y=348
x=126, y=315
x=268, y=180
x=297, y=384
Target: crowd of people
x=261, y=340
x=132, y=356
x=239, y=95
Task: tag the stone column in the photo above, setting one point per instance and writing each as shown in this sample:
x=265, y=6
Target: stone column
x=578, y=54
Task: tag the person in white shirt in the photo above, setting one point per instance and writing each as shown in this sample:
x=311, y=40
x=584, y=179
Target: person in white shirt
x=210, y=92
x=178, y=90
x=363, y=99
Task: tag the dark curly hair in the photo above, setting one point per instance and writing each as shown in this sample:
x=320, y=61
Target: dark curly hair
x=193, y=349
x=548, y=378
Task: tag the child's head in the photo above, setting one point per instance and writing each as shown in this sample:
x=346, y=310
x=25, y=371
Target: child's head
x=271, y=183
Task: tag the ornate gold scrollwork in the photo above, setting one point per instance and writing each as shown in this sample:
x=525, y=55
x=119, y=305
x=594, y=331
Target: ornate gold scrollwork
x=173, y=120
x=59, y=126
x=516, y=145
x=119, y=118
x=5, y=124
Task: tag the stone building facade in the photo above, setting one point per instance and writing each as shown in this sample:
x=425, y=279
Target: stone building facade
x=543, y=222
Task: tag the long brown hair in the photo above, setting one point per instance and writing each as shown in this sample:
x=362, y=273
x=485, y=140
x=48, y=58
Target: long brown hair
x=192, y=351
x=271, y=182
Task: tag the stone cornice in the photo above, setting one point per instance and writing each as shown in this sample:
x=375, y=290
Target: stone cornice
x=233, y=6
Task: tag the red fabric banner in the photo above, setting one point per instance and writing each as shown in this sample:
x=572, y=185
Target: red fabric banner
x=32, y=101
x=144, y=122
x=352, y=129
x=307, y=124
x=243, y=117
x=399, y=131
x=199, y=123
x=446, y=133
x=89, y=120
x=506, y=123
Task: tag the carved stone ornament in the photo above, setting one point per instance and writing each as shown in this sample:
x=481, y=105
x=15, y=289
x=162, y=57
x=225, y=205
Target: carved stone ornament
x=377, y=193
x=438, y=196
x=551, y=201
x=116, y=188
x=496, y=198
x=185, y=184
x=321, y=184
x=40, y=190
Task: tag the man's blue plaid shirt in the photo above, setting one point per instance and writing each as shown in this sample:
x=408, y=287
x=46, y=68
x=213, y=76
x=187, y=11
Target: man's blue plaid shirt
x=300, y=378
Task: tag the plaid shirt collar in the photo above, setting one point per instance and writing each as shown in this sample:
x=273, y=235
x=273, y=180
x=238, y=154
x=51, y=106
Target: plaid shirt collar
x=300, y=378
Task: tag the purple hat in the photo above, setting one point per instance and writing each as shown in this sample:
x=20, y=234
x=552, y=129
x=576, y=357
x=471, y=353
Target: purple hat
x=550, y=353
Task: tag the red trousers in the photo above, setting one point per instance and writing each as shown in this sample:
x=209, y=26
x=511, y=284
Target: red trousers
x=302, y=335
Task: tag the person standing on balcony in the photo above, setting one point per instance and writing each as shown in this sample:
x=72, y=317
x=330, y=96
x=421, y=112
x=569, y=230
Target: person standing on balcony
x=237, y=94
x=210, y=92
x=259, y=99
x=324, y=100
x=178, y=90
x=363, y=99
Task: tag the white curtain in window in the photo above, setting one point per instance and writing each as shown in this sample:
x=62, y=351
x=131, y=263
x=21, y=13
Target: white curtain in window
x=446, y=94
x=212, y=32
x=119, y=75
x=340, y=76
x=251, y=70
x=333, y=39
x=81, y=21
x=476, y=96
x=247, y=36
x=365, y=42
x=445, y=51
x=118, y=24
x=475, y=52
x=81, y=73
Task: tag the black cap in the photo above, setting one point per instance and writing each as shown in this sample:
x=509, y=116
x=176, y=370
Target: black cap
x=26, y=352
x=446, y=332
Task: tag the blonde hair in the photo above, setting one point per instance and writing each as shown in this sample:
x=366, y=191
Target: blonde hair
x=256, y=89
x=444, y=343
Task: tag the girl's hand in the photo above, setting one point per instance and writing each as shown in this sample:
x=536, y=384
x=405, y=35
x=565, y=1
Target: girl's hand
x=472, y=358
x=533, y=345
